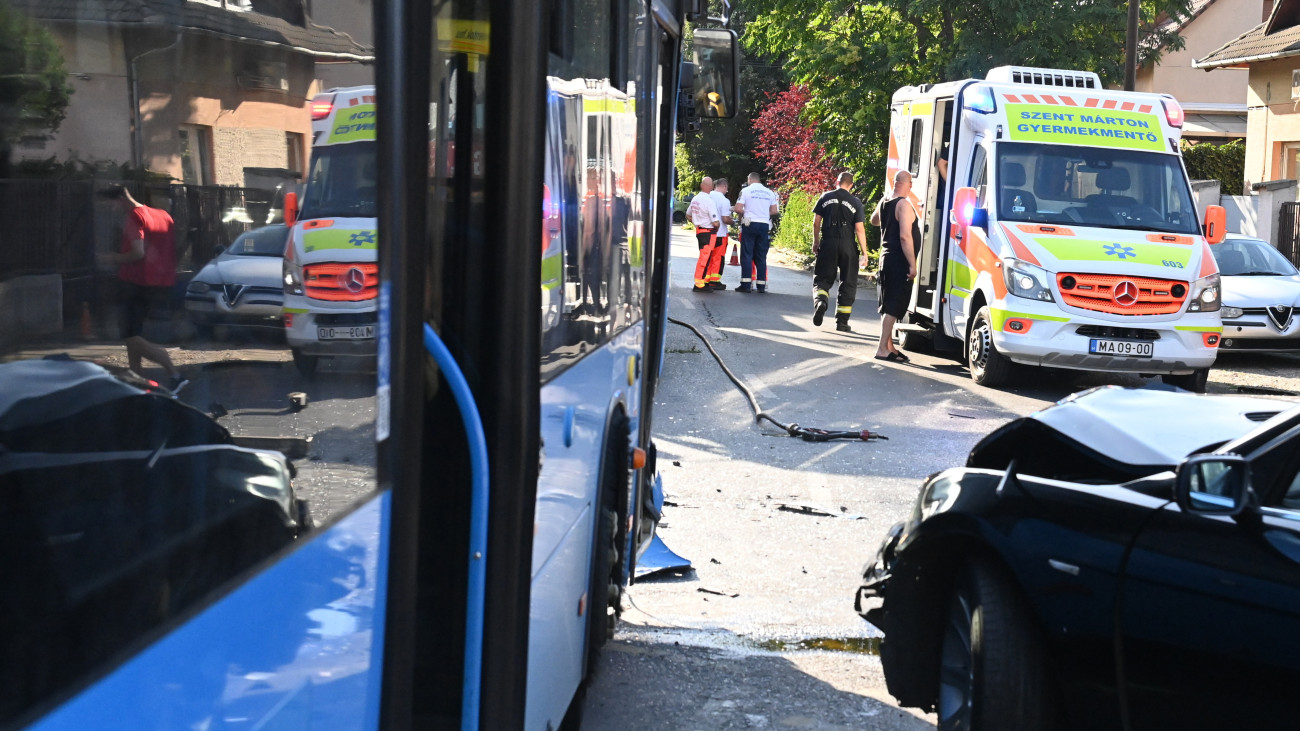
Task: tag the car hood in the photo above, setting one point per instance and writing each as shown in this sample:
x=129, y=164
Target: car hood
x=1121, y=433
x=1112, y=251
x=1261, y=291
x=251, y=271
x=336, y=240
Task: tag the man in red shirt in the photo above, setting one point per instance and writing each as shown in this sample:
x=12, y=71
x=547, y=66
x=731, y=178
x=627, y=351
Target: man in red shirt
x=146, y=266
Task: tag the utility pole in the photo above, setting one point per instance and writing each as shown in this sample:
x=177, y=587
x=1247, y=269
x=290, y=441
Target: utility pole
x=1131, y=47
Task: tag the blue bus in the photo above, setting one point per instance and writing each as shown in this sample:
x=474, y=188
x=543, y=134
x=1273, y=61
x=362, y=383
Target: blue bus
x=198, y=535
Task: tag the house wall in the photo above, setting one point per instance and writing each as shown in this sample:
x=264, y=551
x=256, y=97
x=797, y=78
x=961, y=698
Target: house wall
x=1220, y=22
x=97, y=125
x=199, y=83
x=1273, y=119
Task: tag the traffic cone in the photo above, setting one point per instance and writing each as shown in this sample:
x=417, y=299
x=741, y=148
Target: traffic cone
x=87, y=332
x=735, y=260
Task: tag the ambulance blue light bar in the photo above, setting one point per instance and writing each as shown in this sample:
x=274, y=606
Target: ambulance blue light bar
x=979, y=99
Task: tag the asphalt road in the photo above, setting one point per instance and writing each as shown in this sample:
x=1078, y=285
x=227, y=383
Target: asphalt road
x=762, y=632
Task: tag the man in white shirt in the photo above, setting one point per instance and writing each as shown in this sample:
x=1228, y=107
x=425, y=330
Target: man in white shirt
x=703, y=212
x=719, y=196
x=756, y=205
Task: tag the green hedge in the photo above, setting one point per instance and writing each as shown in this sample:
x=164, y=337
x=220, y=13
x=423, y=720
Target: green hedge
x=795, y=232
x=1224, y=163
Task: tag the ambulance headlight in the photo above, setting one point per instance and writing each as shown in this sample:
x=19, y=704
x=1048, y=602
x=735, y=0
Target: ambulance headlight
x=1205, y=295
x=1026, y=280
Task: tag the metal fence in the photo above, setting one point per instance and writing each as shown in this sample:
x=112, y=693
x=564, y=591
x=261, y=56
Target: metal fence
x=1288, y=232
x=55, y=227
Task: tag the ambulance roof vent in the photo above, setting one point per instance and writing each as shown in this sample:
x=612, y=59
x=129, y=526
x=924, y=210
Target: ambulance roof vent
x=1044, y=77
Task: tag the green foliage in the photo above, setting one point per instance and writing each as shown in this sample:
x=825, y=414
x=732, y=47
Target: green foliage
x=75, y=168
x=688, y=177
x=34, y=92
x=1224, y=163
x=795, y=232
x=853, y=55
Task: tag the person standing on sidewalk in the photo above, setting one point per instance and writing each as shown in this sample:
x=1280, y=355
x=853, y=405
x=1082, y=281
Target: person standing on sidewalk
x=723, y=204
x=703, y=213
x=146, y=271
x=838, y=218
x=756, y=205
x=900, y=231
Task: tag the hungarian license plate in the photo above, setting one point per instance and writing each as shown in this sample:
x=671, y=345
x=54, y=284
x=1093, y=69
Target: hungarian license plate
x=1125, y=348
x=357, y=332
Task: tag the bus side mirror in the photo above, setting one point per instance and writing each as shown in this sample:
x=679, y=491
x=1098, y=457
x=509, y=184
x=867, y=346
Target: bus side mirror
x=964, y=212
x=1216, y=224
x=716, y=55
x=290, y=209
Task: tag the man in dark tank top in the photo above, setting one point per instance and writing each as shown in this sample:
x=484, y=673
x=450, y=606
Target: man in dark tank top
x=900, y=234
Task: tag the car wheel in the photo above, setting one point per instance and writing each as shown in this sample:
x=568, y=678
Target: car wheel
x=913, y=341
x=988, y=367
x=992, y=663
x=1194, y=381
x=306, y=364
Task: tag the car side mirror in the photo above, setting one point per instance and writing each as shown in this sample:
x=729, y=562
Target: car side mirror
x=1213, y=484
x=716, y=55
x=290, y=209
x=964, y=212
x=1216, y=224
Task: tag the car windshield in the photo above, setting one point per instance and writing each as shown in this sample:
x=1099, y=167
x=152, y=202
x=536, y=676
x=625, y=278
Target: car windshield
x=342, y=181
x=1090, y=186
x=268, y=241
x=1250, y=258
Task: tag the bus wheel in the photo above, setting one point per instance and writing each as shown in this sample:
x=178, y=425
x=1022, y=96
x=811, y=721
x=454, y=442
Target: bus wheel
x=306, y=364
x=1194, y=381
x=988, y=367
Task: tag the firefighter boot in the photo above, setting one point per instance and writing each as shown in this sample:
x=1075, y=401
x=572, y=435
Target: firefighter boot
x=842, y=324
x=820, y=303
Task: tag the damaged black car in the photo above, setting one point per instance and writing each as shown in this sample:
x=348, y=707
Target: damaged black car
x=1122, y=559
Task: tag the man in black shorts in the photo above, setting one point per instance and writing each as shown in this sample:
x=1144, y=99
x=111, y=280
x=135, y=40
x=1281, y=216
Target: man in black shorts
x=838, y=218
x=900, y=232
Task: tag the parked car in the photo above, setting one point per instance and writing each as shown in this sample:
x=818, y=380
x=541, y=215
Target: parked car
x=241, y=286
x=1124, y=559
x=1261, y=296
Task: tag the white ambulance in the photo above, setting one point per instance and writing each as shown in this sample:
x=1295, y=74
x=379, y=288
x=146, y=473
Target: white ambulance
x=1065, y=234
x=331, y=268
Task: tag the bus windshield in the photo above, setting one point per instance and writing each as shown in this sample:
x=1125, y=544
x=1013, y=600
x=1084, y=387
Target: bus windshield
x=1090, y=186
x=342, y=181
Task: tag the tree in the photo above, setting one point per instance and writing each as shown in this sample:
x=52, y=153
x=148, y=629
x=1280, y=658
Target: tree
x=852, y=56
x=787, y=144
x=34, y=92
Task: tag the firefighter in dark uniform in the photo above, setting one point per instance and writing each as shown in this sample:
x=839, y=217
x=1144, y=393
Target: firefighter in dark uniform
x=838, y=219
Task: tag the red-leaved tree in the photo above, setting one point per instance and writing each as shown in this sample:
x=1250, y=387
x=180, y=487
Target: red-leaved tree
x=787, y=145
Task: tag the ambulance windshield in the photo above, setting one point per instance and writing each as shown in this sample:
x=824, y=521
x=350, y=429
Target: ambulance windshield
x=1089, y=186
x=342, y=181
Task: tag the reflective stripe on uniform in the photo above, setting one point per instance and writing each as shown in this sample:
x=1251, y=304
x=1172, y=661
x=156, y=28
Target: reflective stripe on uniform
x=745, y=280
x=843, y=309
x=821, y=293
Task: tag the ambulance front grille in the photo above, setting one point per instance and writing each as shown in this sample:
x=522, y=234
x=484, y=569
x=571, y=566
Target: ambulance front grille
x=1120, y=295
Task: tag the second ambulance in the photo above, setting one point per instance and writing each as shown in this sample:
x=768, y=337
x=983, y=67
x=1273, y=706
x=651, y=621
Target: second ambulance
x=331, y=268
x=1065, y=233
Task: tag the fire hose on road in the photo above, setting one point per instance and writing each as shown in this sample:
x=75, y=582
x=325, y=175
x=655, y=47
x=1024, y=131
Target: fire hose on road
x=806, y=433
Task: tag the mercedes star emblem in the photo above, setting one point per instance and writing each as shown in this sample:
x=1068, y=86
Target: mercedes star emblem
x=1126, y=293
x=354, y=280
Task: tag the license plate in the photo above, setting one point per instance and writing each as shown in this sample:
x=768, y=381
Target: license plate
x=201, y=306
x=359, y=332
x=1125, y=348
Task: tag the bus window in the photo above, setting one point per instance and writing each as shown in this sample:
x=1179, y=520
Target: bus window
x=176, y=421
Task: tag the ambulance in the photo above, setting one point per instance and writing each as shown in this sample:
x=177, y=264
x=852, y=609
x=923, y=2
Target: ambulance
x=331, y=267
x=1058, y=228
